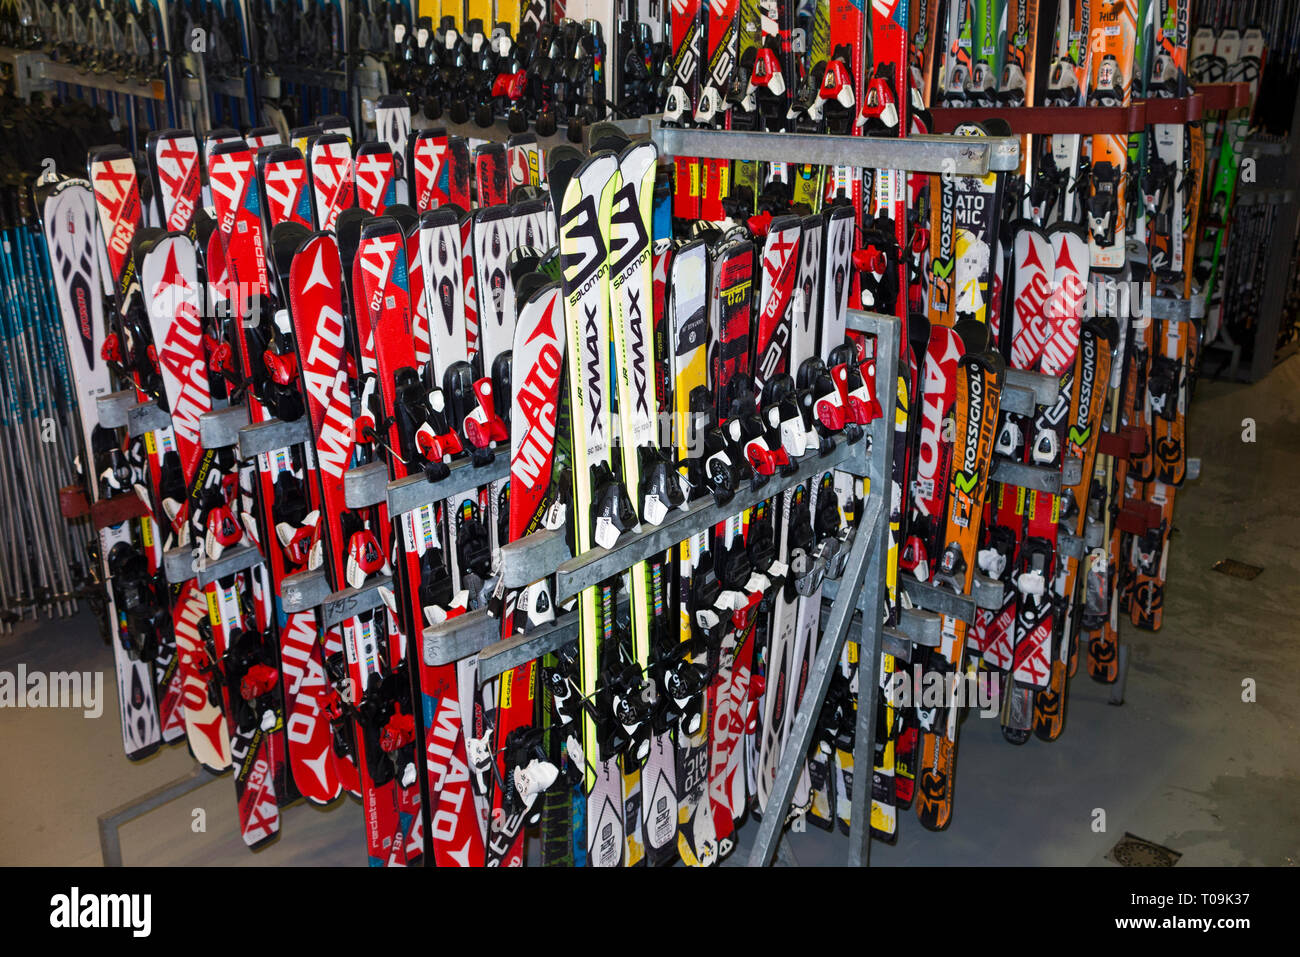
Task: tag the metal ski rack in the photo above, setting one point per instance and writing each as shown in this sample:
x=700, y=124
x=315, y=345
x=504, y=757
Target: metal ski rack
x=957, y=155
x=476, y=632
x=35, y=72
x=954, y=155
x=218, y=429
x=1085, y=120
x=368, y=485
x=861, y=582
x=1021, y=392
x=363, y=487
x=124, y=410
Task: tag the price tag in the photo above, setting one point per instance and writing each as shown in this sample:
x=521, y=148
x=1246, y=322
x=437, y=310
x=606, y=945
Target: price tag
x=655, y=510
x=606, y=533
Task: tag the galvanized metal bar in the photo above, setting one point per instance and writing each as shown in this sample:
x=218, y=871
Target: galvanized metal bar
x=365, y=485
x=273, y=434
x=1040, y=478
x=796, y=746
x=112, y=409
x=866, y=557
x=346, y=603
x=416, y=491
x=785, y=853
x=220, y=429
x=110, y=822
x=182, y=564
x=460, y=637
x=145, y=417
x=304, y=590
x=957, y=155
x=874, y=596
x=544, y=549
x=985, y=593
x=519, y=650
x=1016, y=400
x=1071, y=546
x=311, y=589
x=598, y=564
x=1045, y=388
x=921, y=627
x=1166, y=307
x=864, y=740
x=307, y=76
x=67, y=73
x=894, y=642
x=1071, y=472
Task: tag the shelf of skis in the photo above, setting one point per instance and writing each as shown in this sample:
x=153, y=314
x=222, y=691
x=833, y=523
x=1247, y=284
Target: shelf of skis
x=230, y=497
x=368, y=485
x=359, y=579
x=35, y=71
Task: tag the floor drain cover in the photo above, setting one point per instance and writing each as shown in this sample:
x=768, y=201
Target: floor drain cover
x=1135, y=852
x=1230, y=566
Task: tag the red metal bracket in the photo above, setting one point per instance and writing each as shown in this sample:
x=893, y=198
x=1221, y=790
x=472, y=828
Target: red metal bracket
x=1082, y=120
x=1224, y=96
x=108, y=512
x=1124, y=444
x=73, y=502
x=1138, y=517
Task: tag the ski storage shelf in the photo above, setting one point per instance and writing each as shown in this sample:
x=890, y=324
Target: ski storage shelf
x=1078, y=120
x=917, y=626
x=123, y=409
x=363, y=487
x=272, y=434
x=181, y=564
x=1224, y=96
x=861, y=580
x=307, y=76
x=1022, y=390
x=479, y=634
x=549, y=548
x=1040, y=478
x=368, y=485
x=500, y=132
x=34, y=71
x=956, y=155
x=985, y=593
x=220, y=429
x=1178, y=310
x=311, y=589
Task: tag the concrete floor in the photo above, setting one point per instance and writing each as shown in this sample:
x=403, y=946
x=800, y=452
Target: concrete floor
x=1184, y=763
